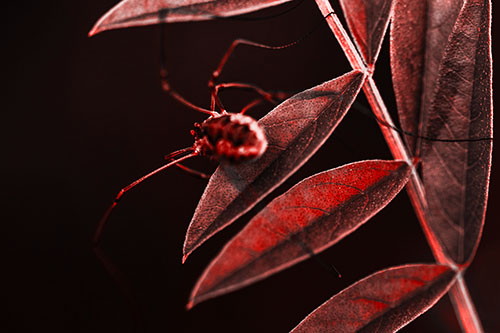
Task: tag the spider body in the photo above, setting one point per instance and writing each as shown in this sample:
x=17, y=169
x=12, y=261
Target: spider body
x=229, y=138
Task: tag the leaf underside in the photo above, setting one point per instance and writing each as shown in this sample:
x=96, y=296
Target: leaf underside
x=382, y=302
x=456, y=175
x=367, y=20
x=131, y=13
x=419, y=34
x=310, y=217
x=441, y=67
x=295, y=130
x=407, y=49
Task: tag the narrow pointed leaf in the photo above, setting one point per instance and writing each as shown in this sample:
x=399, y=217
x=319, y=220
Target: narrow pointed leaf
x=456, y=174
x=367, y=20
x=131, y=13
x=295, y=130
x=382, y=302
x=313, y=215
x=408, y=31
x=419, y=35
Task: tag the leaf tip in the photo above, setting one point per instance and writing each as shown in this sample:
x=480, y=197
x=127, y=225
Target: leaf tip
x=190, y=305
x=98, y=27
x=94, y=31
x=188, y=249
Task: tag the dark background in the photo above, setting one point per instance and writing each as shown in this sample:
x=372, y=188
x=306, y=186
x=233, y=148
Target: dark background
x=86, y=116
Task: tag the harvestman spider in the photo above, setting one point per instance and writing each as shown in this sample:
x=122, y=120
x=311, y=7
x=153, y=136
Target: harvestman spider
x=232, y=137
x=225, y=137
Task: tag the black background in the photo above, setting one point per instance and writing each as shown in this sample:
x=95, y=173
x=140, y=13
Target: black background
x=86, y=116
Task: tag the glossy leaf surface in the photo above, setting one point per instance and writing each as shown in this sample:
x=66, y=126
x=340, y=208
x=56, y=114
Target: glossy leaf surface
x=295, y=130
x=456, y=174
x=382, y=302
x=131, y=13
x=313, y=215
x=367, y=20
x=419, y=35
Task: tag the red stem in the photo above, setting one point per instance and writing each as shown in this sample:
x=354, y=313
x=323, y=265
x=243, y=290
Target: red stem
x=463, y=305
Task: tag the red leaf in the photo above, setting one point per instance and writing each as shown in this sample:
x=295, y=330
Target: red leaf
x=382, y=302
x=367, y=20
x=419, y=35
x=312, y=216
x=295, y=130
x=131, y=13
x=408, y=30
x=456, y=175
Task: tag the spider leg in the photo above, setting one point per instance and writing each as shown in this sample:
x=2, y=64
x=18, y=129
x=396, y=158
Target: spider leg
x=269, y=96
x=194, y=172
x=165, y=85
x=102, y=222
x=250, y=105
x=170, y=157
x=217, y=72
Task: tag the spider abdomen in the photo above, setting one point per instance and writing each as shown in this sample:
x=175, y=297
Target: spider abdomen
x=230, y=137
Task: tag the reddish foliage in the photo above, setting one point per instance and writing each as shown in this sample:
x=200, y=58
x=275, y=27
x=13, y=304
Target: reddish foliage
x=367, y=21
x=419, y=35
x=295, y=130
x=440, y=19
x=131, y=13
x=313, y=215
x=382, y=302
x=441, y=67
x=455, y=174
x=408, y=30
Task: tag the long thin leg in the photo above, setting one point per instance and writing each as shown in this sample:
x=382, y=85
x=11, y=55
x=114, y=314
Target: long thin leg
x=170, y=157
x=193, y=172
x=250, y=105
x=216, y=73
x=164, y=78
x=97, y=234
x=271, y=97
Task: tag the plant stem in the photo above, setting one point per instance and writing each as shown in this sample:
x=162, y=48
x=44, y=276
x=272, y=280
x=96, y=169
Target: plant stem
x=463, y=305
x=414, y=187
